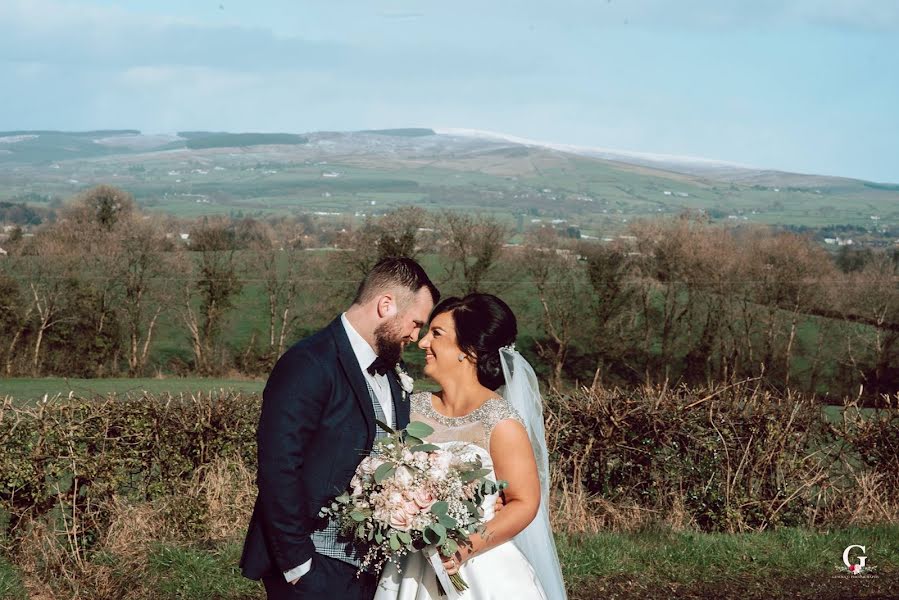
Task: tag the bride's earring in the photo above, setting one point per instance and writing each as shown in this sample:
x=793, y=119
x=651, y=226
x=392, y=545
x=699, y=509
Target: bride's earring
x=461, y=357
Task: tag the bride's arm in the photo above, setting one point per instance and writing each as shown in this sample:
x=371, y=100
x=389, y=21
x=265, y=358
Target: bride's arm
x=513, y=462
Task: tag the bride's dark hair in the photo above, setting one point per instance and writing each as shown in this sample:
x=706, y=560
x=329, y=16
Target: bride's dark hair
x=484, y=324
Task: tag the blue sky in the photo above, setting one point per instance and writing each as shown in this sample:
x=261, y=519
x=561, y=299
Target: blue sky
x=801, y=85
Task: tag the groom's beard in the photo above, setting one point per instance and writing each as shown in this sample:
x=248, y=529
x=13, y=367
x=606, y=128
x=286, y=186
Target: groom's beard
x=389, y=341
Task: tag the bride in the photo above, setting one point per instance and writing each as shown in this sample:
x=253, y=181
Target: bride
x=469, y=351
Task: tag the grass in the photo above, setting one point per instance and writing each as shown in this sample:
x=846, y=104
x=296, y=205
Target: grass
x=11, y=587
x=25, y=388
x=186, y=573
x=686, y=557
x=788, y=562
x=651, y=564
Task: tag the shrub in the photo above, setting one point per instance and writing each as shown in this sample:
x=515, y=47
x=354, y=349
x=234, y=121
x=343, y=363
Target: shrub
x=735, y=458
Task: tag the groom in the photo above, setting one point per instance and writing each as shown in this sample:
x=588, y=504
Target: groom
x=318, y=421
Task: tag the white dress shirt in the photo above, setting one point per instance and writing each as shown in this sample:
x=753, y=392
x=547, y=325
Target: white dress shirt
x=365, y=355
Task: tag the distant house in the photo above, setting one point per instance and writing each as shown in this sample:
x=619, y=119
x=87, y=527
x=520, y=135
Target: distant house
x=184, y=236
x=3, y=252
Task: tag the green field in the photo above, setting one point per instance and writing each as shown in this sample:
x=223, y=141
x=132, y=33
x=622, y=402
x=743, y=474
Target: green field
x=29, y=389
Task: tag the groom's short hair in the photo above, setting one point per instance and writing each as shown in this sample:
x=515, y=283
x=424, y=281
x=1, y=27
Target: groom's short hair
x=391, y=273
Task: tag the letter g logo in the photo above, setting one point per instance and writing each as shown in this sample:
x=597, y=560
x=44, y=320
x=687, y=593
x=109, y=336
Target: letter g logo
x=861, y=559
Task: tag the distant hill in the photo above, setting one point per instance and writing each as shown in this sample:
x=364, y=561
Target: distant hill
x=592, y=190
x=203, y=139
x=411, y=132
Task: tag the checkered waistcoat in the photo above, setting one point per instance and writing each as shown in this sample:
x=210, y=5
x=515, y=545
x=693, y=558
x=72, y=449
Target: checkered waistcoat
x=326, y=540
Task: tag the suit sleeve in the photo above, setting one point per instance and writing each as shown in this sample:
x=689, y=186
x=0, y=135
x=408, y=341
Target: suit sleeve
x=295, y=396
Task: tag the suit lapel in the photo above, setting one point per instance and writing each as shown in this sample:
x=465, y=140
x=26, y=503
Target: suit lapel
x=353, y=372
x=400, y=402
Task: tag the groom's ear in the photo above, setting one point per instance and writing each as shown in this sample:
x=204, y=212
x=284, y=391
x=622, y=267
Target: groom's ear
x=387, y=306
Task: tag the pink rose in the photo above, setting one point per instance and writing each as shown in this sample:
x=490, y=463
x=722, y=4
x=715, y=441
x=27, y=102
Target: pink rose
x=424, y=498
x=400, y=519
x=411, y=508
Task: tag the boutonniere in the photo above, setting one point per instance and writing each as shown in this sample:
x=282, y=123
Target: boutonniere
x=406, y=380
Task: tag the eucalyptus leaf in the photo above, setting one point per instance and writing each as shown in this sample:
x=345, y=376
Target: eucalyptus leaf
x=446, y=521
x=385, y=426
x=394, y=542
x=440, y=531
x=384, y=471
x=450, y=547
x=430, y=535
x=404, y=537
x=439, y=508
x=472, y=475
x=419, y=429
x=425, y=448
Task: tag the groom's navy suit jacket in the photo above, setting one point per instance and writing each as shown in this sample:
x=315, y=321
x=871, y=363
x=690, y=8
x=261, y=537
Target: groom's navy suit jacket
x=317, y=424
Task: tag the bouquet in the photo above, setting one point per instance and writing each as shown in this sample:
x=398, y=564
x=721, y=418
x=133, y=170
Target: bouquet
x=410, y=496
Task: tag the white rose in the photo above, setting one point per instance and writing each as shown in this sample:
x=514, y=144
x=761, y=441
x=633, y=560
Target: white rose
x=407, y=382
x=369, y=465
x=437, y=473
x=441, y=459
x=403, y=476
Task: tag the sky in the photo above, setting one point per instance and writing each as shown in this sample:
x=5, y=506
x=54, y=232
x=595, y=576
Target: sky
x=809, y=86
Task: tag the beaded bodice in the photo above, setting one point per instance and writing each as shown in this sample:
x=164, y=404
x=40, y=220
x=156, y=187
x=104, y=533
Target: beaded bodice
x=475, y=427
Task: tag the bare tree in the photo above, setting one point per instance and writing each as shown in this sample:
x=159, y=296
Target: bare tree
x=15, y=318
x=609, y=272
x=209, y=295
x=564, y=295
x=470, y=246
x=145, y=269
x=873, y=293
x=281, y=273
x=665, y=252
x=397, y=233
x=787, y=274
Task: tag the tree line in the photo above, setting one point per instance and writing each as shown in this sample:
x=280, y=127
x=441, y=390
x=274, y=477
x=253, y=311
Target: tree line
x=106, y=287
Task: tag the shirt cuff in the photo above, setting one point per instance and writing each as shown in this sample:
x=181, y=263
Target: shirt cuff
x=298, y=572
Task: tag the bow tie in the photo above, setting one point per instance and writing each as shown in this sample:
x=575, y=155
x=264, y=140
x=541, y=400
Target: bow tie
x=379, y=367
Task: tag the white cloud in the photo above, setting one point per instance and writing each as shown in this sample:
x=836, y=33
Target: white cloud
x=727, y=14
x=52, y=31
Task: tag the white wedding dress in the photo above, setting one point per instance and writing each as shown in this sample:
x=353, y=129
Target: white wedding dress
x=501, y=573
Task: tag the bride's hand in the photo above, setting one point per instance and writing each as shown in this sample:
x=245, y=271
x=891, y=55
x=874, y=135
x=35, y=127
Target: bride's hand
x=500, y=503
x=452, y=563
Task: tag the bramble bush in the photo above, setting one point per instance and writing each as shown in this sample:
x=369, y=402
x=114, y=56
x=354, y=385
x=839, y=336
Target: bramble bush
x=93, y=491
x=733, y=458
